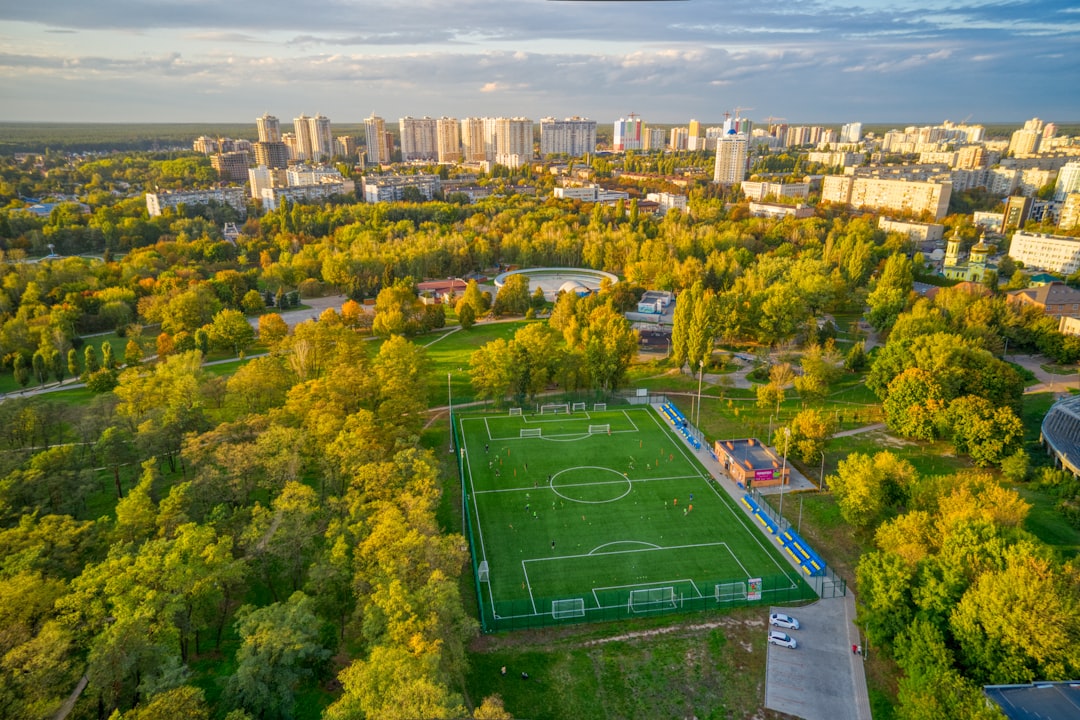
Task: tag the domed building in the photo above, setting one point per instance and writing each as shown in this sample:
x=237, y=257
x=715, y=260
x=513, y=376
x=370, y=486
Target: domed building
x=973, y=268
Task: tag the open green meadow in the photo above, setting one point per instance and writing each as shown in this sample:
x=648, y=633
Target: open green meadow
x=600, y=514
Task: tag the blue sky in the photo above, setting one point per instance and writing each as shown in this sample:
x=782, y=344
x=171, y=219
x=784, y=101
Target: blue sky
x=806, y=61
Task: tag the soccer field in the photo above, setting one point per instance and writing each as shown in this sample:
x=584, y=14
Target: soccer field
x=600, y=514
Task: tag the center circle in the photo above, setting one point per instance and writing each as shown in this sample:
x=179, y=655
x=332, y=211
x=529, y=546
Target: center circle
x=590, y=484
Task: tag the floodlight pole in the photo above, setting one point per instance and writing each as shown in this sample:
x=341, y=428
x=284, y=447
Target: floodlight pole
x=821, y=485
x=450, y=400
x=701, y=369
x=783, y=474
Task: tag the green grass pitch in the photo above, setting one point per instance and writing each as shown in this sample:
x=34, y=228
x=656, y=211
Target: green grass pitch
x=575, y=514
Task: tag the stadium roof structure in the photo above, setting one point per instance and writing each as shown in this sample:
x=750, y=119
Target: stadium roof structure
x=1037, y=701
x=1061, y=432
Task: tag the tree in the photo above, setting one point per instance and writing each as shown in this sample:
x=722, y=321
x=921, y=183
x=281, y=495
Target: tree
x=164, y=345
x=73, y=362
x=810, y=429
x=1018, y=624
x=609, y=344
x=885, y=606
x=136, y=515
x=279, y=646
x=513, y=296
x=466, y=316
x=473, y=298
x=492, y=372
x=114, y=447
x=913, y=403
x=272, y=329
x=988, y=434
x=865, y=486
x=395, y=684
x=890, y=295
x=353, y=315
x=133, y=353
x=22, y=372
x=259, y=385
x=41, y=368
x=252, y=302
x=108, y=360
x=230, y=330
x=855, y=360
x=90, y=360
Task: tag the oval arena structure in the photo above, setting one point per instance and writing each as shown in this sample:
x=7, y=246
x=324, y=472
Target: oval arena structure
x=1061, y=433
x=553, y=280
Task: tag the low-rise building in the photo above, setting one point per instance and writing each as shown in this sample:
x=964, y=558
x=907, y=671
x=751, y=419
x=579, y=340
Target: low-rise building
x=750, y=463
x=1056, y=299
x=761, y=190
x=231, y=196
x=272, y=197
x=916, y=231
x=881, y=194
x=1054, y=253
x=388, y=188
x=780, y=210
x=667, y=201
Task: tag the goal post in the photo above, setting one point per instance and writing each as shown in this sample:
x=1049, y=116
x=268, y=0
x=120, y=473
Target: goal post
x=530, y=432
x=578, y=406
x=482, y=573
x=515, y=412
x=569, y=608
x=554, y=409
x=650, y=599
x=599, y=406
x=594, y=429
x=730, y=592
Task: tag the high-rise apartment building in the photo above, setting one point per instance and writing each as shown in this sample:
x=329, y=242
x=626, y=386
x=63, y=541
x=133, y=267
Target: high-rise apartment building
x=269, y=128
x=653, y=139
x=731, y=154
x=1025, y=141
x=232, y=166
x=851, y=133
x=322, y=141
x=1070, y=212
x=345, y=146
x=573, y=136
x=419, y=138
x=205, y=145
x=627, y=134
x=1068, y=180
x=880, y=194
x=448, y=139
x=513, y=141
x=302, y=133
x=473, y=140
x=378, y=149
x=272, y=154
x=679, y=139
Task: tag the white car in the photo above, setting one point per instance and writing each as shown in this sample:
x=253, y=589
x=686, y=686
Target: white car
x=781, y=638
x=784, y=621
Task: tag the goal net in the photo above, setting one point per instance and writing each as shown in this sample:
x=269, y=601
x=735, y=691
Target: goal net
x=554, y=409
x=578, y=406
x=482, y=573
x=599, y=406
x=530, y=432
x=571, y=608
x=730, y=592
x=515, y=411
x=647, y=599
x=599, y=429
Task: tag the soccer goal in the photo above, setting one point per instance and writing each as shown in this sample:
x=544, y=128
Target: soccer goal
x=597, y=407
x=482, y=573
x=578, y=407
x=730, y=592
x=530, y=432
x=593, y=429
x=651, y=599
x=515, y=412
x=565, y=609
x=554, y=409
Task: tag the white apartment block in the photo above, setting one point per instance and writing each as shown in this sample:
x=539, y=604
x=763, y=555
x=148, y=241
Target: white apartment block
x=589, y=193
x=1068, y=180
x=668, y=201
x=780, y=210
x=851, y=133
x=378, y=149
x=762, y=190
x=273, y=197
x=1052, y=253
x=388, y=188
x=1002, y=181
x=307, y=175
x=269, y=128
x=916, y=231
x=474, y=141
x=322, y=141
x=731, y=155
x=653, y=139
x=837, y=159
x=514, y=136
x=573, y=136
x=419, y=138
x=303, y=140
x=232, y=196
x=878, y=194
x=1032, y=179
x=448, y=139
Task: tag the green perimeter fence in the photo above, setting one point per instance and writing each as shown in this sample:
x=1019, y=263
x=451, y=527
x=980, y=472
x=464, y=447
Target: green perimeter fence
x=601, y=605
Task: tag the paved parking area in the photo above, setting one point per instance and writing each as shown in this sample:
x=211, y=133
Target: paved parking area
x=818, y=679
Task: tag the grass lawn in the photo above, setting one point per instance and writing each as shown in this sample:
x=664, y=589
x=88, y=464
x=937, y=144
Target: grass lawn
x=450, y=351
x=706, y=667
x=565, y=502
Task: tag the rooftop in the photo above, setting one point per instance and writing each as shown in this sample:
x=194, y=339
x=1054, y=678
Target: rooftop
x=1037, y=701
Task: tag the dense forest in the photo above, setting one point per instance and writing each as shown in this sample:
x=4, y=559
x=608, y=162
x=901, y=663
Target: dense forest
x=267, y=543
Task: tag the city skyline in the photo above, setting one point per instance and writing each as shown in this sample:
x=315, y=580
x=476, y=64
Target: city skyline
x=121, y=60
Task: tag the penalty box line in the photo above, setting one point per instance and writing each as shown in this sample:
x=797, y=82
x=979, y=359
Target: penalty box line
x=645, y=586
x=637, y=550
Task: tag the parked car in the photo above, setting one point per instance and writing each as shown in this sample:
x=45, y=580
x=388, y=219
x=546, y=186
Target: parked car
x=782, y=638
x=784, y=621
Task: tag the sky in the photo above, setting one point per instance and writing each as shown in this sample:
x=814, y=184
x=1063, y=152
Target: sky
x=806, y=61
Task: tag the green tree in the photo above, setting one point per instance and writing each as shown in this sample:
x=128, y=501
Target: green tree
x=108, y=361
x=115, y=448
x=73, y=362
x=90, y=360
x=492, y=372
x=885, y=605
x=133, y=353
x=810, y=430
x=279, y=647
x=890, y=294
x=252, y=302
x=136, y=514
x=272, y=329
x=988, y=434
x=866, y=487
x=913, y=403
x=466, y=316
x=231, y=331
x=513, y=296
x=473, y=298
x=41, y=368
x=609, y=345
x=21, y=371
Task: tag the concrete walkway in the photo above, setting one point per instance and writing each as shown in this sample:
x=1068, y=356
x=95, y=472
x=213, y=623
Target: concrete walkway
x=822, y=679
